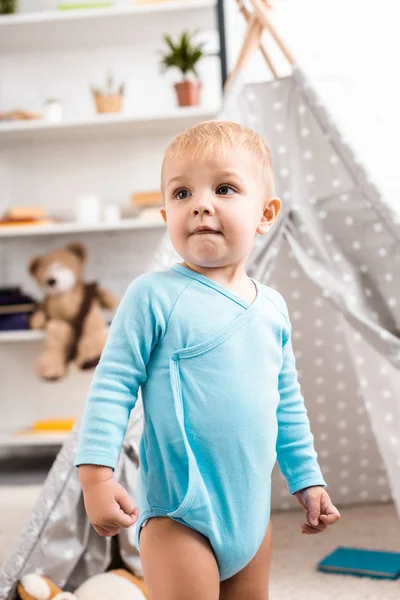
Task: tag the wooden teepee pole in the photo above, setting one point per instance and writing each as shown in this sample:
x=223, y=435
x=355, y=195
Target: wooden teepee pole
x=261, y=10
x=250, y=45
x=247, y=15
x=258, y=21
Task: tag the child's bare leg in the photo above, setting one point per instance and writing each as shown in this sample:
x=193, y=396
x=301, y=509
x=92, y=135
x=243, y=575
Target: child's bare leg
x=252, y=582
x=178, y=562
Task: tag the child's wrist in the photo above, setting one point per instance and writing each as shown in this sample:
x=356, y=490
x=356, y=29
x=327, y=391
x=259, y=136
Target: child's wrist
x=93, y=474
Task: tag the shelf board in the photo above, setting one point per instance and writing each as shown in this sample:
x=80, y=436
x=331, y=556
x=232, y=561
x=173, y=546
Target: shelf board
x=18, y=440
x=93, y=26
x=104, y=125
x=27, y=335
x=75, y=228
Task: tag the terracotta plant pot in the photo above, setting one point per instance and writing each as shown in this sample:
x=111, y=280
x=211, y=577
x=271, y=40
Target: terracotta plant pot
x=188, y=93
x=108, y=103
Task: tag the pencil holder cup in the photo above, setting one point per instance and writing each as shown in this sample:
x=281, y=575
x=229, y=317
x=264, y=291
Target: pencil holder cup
x=106, y=103
x=108, y=99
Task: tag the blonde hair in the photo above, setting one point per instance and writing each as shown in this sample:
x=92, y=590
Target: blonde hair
x=209, y=137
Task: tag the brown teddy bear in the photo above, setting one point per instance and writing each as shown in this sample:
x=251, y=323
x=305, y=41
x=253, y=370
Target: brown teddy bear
x=70, y=312
x=112, y=585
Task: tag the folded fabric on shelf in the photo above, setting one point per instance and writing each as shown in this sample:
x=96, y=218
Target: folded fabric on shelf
x=14, y=322
x=15, y=308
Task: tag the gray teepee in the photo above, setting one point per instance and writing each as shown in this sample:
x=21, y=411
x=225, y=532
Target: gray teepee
x=335, y=256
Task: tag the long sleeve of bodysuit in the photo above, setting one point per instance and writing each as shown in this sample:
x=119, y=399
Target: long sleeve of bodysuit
x=296, y=455
x=137, y=326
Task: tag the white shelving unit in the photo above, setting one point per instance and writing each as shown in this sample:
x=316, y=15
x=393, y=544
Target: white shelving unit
x=75, y=228
x=60, y=54
x=21, y=440
x=21, y=336
x=90, y=27
x=17, y=440
x=108, y=13
x=103, y=125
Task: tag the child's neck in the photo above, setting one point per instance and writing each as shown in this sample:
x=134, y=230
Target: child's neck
x=232, y=277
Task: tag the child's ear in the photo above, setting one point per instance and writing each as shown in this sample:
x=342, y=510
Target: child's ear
x=270, y=213
x=163, y=213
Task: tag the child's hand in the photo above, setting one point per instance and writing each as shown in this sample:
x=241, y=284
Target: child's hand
x=319, y=509
x=108, y=505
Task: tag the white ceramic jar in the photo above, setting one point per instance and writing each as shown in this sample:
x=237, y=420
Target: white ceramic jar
x=53, y=111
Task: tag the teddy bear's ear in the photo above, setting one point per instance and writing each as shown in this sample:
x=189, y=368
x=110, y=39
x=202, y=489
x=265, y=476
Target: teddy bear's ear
x=78, y=249
x=34, y=265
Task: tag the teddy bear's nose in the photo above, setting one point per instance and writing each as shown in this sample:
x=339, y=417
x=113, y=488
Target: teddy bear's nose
x=51, y=281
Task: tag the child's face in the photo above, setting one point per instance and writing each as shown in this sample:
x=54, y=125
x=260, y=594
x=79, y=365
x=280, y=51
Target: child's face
x=225, y=193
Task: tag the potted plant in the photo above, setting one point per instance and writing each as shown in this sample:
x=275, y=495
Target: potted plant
x=184, y=55
x=109, y=99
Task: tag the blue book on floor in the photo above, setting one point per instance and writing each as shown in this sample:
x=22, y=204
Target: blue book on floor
x=358, y=561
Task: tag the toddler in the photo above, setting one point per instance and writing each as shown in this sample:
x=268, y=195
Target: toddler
x=211, y=350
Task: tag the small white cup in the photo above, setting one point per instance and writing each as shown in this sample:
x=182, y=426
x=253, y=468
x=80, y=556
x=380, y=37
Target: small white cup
x=88, y=208
x=111, y=213
x=53, y=111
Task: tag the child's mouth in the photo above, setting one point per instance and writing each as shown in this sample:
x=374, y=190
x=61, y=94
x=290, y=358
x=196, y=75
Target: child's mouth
x=204, y=230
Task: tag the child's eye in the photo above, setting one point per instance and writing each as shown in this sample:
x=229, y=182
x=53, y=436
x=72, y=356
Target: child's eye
x=182, y=194
x=224, y=190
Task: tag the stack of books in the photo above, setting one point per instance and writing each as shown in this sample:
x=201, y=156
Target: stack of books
x=15, y=309
x=21, y=216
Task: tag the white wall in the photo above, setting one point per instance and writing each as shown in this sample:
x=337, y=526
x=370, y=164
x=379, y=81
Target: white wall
x=350, y=49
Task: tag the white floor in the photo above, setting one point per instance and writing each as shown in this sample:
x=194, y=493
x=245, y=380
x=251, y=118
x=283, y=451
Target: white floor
x=294, y=576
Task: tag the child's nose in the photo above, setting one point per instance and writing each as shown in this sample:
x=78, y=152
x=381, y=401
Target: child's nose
x=203, y=206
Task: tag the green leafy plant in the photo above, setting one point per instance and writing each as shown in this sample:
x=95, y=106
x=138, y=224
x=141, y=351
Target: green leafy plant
x=183, y=54
x=8, y=7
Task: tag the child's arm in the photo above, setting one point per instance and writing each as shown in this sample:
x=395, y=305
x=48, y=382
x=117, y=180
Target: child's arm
x=135, y=330
x=296, y=455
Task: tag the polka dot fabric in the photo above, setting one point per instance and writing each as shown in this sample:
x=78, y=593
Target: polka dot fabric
x=334, y=254
x=347, y=450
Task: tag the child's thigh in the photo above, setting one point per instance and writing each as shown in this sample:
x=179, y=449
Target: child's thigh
x=252, y=582
x=178, y=562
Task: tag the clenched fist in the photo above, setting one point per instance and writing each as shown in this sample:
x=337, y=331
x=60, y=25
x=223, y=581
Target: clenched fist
x=107, y=503
x=319, y=509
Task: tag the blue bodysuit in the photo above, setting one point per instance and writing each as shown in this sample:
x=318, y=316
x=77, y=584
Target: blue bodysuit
x=221, y=403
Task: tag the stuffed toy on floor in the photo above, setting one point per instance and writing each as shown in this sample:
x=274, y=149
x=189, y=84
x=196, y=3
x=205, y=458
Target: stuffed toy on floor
x=112, y=585
x=71, y=312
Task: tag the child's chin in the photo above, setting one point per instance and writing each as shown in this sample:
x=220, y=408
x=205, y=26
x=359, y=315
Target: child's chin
x=207, y=261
